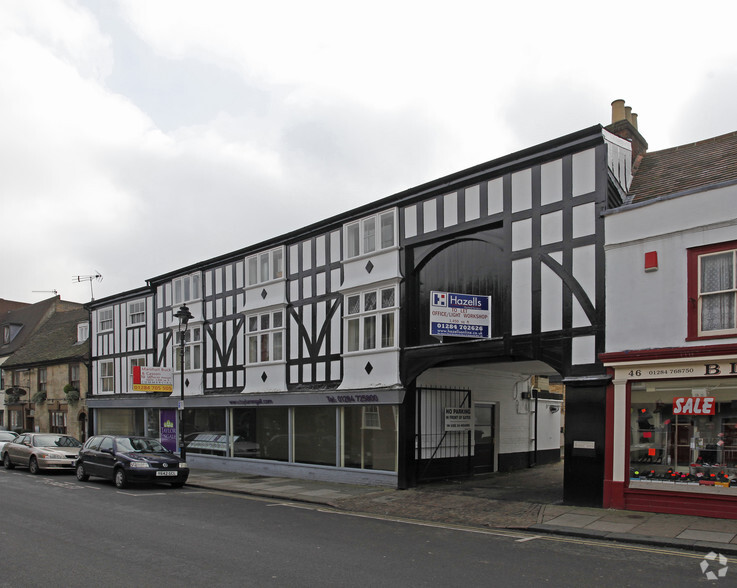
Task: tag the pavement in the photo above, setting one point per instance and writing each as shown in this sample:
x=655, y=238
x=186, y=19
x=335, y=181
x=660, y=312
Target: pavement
x=529, y=500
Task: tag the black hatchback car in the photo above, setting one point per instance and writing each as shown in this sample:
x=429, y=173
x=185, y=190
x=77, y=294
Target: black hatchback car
x=125, y=459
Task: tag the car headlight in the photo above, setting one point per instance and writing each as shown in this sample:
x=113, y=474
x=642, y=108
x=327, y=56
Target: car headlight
x=140, y=464
x=182, y=464
x=51, y=456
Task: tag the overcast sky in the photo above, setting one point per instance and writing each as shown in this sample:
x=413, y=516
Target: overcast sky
x=137, y=137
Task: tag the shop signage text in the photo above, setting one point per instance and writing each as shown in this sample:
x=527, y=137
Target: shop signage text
x=460, y=315
x=152, y=379
x=694, y=406
x=457, y=419
x=683, y=370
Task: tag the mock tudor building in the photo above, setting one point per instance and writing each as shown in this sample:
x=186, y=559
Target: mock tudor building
x=671, y=344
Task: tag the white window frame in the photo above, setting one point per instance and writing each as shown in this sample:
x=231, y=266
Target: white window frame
x=105, y=319
x=731, y=290
x=266, y=266
x=42, y=379
x=192, y=349
x=83, y=332
x=6, y=334
x=367, y=236
x=186, y=289
x=132, y=362
x=265, y=337
x=365, y=313
x=107, y=375
x=137, y=312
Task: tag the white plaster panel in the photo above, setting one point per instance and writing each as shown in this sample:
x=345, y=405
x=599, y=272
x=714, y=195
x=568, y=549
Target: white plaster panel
x=551, y=227
x=430, y=215
x=583, y=350
x=293, y=259
x=307, y=287
x=320, y=251
x=320, y=372
x=239, y=275
x=385, y=370
x=522, y=190
x=335, y=370
x=410, y=222
x=294, y=290
x=473, y=203
x=578, y=316
x=385, y=267
x=522, y=234
x=551, y=309
x=584, y=220
x=584, y=269
x=521, y=296
x=293, y=338
x=320, y=284
x=496, y=196
x=275, y=377
x=450, y=209
x=334, y=280
x=307, y=373
x=294, y=374
x=584, y=172
x=335, y=246
x=276, y=294
x=551, y=182
x=307, y=255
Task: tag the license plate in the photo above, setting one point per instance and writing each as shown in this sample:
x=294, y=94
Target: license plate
x=166, y=473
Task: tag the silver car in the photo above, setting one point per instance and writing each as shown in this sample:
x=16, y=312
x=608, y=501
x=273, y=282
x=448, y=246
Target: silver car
x=41, y=451
x=5, y=437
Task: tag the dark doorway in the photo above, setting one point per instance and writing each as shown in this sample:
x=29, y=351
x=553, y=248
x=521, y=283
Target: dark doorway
x=484, y=432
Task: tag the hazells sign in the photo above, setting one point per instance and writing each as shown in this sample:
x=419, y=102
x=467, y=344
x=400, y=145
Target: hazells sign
x=460, y=315
x=694, y=406
x=152, y=379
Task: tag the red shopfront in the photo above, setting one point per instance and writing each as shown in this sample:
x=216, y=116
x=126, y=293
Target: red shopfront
x=672, y=431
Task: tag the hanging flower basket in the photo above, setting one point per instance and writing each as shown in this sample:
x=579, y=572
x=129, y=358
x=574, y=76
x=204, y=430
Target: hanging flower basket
x=39, y=397
x=72, y=394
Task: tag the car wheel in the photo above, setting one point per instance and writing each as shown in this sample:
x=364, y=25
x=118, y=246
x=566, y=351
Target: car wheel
x=33, y=466
x=120, y=481
x=177, y=484
x=9, y=465
x=81, y=475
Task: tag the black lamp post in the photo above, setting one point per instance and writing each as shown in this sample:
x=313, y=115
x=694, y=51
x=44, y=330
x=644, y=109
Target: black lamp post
x=184, y=317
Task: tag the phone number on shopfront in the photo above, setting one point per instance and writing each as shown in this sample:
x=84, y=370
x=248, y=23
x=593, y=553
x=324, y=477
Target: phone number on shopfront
x=661, y=372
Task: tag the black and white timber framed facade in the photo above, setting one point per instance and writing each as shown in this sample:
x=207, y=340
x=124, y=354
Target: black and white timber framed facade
x=310, y=354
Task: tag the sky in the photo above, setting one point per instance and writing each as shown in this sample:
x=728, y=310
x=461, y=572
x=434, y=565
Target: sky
x=138, y=137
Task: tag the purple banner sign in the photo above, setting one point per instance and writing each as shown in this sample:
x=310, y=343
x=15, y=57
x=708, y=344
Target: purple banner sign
x=168, y=428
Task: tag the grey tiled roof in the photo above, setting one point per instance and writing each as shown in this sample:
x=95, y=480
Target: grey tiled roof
x=687, y=167
x=54, y=342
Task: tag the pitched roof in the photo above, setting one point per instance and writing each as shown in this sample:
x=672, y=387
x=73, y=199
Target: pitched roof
x=27, y=318
x=54, y=342
x=688, y=167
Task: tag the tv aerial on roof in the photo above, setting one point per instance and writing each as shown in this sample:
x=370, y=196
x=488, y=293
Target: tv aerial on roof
x=97, y=276
x=54, y=292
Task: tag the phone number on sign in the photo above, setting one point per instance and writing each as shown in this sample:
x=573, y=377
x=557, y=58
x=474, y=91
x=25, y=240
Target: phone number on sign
x=467, y=328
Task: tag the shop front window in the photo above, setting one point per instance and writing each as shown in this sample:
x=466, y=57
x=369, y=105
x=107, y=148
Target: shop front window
x=683, y=435
x=204, y=431
x=370, y=437
x=314, y=435
x=261, y=433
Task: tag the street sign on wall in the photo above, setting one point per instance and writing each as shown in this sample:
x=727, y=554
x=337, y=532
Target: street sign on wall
x=460, y=315
x=153, y=379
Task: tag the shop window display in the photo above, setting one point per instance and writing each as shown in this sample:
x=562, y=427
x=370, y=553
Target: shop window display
x=683, y=435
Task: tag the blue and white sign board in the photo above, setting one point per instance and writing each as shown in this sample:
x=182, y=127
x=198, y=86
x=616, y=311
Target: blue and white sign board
x=460, y=315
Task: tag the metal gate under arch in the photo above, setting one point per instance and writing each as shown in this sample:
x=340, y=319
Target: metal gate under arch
x=439, y=453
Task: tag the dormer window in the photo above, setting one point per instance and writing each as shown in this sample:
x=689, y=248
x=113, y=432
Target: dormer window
x=83, y=332
x=370, y=234
x=6, y=335
x=187, y=289
x=265, y=267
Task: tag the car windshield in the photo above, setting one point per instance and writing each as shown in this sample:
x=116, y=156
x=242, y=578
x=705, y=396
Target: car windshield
x=141, y=445
x=5, y=436
x=55, y=441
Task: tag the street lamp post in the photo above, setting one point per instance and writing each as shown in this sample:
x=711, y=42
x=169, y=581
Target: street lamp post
x=184, y=317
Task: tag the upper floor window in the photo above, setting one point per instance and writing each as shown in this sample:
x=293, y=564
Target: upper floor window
x=42, y=379
x=107, y=376
x=265, y=266
x=192, y=349
x=83, y=332
x=105, y=319
x=265, y=337
x=187, y=288
x=74, y=375
x=370, y=234
x=713, y=290
x=137, y=312
x=371, y=319
x=6, y=334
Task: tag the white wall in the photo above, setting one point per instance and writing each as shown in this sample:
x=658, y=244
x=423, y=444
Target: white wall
x=650, y=309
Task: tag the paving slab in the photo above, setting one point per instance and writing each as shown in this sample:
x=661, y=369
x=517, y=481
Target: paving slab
x=601, y=525
x=710, y=536
x=573, y=520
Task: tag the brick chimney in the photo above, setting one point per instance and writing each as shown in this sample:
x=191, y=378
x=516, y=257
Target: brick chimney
x=624, y=124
